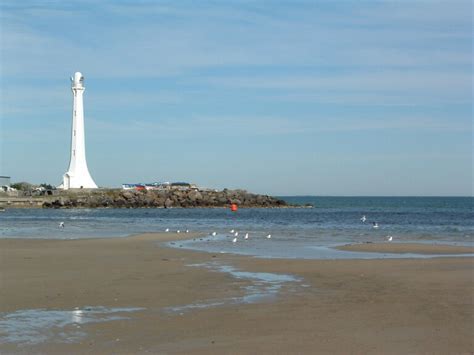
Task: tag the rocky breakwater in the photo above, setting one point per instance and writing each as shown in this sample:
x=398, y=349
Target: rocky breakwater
x=162, y=199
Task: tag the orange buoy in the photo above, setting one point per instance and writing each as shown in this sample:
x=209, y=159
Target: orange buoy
x=233, y=207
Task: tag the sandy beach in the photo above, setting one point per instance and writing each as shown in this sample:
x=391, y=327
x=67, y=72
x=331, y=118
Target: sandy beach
x=391, y=306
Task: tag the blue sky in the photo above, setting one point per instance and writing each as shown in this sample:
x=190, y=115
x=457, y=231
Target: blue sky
x=277, y=97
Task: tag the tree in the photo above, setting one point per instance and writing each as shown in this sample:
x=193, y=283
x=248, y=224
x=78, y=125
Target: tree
x=22, y=186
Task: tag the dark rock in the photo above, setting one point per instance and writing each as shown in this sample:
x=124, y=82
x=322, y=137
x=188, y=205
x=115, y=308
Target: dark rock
x=162, y=198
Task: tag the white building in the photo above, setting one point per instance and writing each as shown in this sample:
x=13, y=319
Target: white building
x=77, y=175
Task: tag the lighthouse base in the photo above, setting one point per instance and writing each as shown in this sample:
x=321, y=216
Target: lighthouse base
x=73, y=181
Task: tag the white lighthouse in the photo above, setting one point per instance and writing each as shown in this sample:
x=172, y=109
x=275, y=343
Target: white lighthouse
x=77, y=175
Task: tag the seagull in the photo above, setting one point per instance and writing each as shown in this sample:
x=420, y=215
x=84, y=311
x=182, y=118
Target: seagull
x=232, y=231
x=214, y=234
x=389, y=238
x=167, y=230
x=375, y=225
x=178, y=231
x=236, y=234
x=363, y=218
x=61, y=225
x=234, y=240
x=187, y=230
x=246, y=236
x=269, y=236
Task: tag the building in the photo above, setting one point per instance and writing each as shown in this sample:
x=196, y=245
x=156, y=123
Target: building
x=5, y=181
x=77, y=175
x=182, y=186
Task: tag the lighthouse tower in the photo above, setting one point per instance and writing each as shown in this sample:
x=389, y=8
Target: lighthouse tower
x=77, y=175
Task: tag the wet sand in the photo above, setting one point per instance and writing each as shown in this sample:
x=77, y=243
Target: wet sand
x=339, y=306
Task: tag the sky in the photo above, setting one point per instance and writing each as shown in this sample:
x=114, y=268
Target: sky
x=276, y=97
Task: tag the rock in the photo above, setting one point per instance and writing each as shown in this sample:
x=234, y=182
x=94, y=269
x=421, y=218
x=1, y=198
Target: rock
x=162, y=198
x=169, y=203
x=127, y=195
x=195, y=195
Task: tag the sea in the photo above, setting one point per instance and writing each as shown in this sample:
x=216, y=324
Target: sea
x=305, y=232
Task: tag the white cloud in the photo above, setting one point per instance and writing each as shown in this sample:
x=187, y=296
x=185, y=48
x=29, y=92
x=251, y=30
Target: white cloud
x=382, y=86
x=251, y=126
x=168, y=39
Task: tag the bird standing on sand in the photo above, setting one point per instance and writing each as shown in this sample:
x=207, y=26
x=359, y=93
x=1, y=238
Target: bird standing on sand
x=236, y=234
x=234, y=240
x=214, y=234
x=375, y=225
x=269, y=236
x=232, y=231
x=389, y=238
x=187, y=230
x=61, y=225
x=246, y=236
x=178, y=231
x=167, y=230
x=363, y=219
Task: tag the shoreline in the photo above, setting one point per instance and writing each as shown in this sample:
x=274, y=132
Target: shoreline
x=412, y=305
x=414, y=248
x=408, y=248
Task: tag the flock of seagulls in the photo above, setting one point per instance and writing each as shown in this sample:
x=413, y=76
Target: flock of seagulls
x=233, y=233
x=246, y=236
x=375, y=225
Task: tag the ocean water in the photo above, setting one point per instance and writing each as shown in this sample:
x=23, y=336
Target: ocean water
x=296, y=232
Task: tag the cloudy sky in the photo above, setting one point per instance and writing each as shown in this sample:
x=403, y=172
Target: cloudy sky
x=278, y=97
